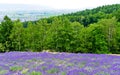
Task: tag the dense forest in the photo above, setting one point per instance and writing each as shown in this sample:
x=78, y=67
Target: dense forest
x=89, y=31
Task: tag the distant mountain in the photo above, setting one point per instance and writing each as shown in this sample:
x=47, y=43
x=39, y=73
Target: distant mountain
x=90, y=16
x=26, y=12
x=4, y=7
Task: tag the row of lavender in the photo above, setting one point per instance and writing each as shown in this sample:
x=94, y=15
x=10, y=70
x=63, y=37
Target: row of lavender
x=28, y=63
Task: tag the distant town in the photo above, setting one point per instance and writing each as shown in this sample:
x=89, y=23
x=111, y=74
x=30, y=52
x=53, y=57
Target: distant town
x=28, y=12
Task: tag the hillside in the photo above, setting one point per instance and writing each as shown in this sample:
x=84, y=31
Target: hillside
x=90, y=16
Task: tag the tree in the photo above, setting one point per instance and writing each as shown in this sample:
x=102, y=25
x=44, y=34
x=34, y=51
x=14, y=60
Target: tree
x=117, y=50
x=61, y=35
x=41, y=34
x=76, y=29
x=16, y=36
x=117, y=15
x=110, y=32
x=97, y=38
x=29, y=42
x=5, y=31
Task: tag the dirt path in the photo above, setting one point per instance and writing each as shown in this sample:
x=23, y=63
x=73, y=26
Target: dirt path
x=114, y=54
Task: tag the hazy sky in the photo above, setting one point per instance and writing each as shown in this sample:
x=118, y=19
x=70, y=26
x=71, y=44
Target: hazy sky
x=64, y=4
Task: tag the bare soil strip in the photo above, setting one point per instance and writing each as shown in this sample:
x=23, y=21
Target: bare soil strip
x=114, y=54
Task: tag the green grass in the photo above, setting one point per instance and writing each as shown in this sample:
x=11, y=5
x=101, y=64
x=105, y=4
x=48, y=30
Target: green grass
x=3, y=72
x=53, y=70
x=63, y=73
x=35, y=73
x=24, y=71
x=16, y=68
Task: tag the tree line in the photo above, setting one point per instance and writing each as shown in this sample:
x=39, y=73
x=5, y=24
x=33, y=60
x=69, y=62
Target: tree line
x=88, y=31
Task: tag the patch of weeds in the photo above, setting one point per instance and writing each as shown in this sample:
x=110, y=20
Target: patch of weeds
x=24, y=71
x=35, y=73
x=102, y=73
x=44, y=67
x=53, y=70
x=1, y=68
x=88, y=68
x=81, y=73
x=34, y=59
x=70, y=64
x=63, y=73
x=29, y=61
x=106, y=66
x=16, y=68
x=3, y=72
x=81, y=65
x=95, y=64
x=6, y=64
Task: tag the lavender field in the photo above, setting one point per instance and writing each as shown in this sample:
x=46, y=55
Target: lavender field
x=29, y=63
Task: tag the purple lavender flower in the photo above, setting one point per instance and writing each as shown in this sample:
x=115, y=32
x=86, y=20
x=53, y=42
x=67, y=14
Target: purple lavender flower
x=44, y=63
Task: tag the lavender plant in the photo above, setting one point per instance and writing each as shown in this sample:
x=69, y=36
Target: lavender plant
x=43, y=63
